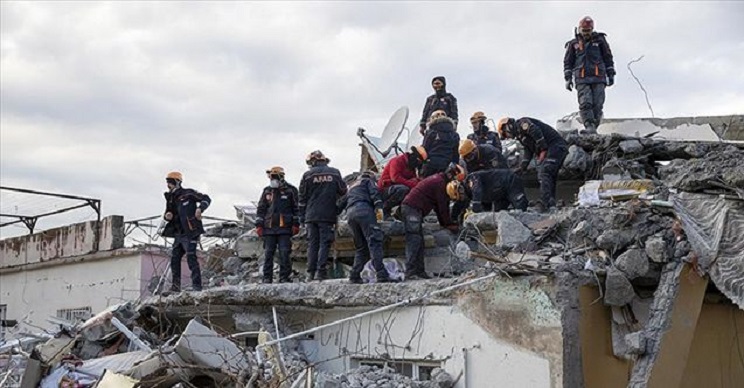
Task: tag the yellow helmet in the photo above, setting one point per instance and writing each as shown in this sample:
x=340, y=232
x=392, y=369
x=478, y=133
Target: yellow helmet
x=276, y=170
x=175, y=175
x=466, y=147
x=454, y=191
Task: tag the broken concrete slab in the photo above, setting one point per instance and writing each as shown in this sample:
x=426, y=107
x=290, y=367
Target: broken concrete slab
x=633, y=263
x=657, y=249
x=614, y=240
x=202, y=346
x=618, y=290
x=635, y=343
x=511, y=231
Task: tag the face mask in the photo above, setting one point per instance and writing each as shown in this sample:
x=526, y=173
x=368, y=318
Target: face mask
x=274, y=183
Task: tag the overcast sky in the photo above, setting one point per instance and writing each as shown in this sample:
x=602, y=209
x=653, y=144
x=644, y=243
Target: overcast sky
x=103, y=99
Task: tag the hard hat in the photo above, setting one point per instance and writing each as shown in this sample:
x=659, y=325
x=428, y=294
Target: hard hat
x=477, y=116
x=586, y=23
x=175, y=175
x=503, y=127
x=420, y=151
x=454, y=191
x=316, y=156
x=456, y=172
x=276, y=170
x=467, y=146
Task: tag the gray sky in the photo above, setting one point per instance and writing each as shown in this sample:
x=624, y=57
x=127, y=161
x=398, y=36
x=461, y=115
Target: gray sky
x=103, y=99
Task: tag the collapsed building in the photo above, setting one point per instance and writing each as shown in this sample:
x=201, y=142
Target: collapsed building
x=638, y=280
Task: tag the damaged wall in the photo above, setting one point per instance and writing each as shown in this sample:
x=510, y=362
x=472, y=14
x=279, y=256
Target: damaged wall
x=96, y=281
x=71, y=240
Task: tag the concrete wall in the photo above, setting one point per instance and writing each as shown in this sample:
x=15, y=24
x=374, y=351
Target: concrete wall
x=72, y=240
x=95, y=281
x=435, y=333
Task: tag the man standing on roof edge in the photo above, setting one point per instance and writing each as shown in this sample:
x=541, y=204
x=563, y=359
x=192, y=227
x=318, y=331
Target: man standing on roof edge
x=588, y=62
x=399, y=177
x=539, y=140
x=440, y=100
x=320, y=189
x=183, y=211
x=277, y=220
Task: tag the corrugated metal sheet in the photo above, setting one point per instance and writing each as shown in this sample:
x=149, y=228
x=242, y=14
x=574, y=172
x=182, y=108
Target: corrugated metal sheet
x=715, y=228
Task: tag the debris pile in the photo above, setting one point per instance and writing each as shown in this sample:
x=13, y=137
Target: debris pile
x=385, y=377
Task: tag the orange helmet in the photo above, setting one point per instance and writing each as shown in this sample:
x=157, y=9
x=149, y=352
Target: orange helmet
x=467, y=146
x=175, y=175
x=504, y=127
x=420, y=151
x=276, y=170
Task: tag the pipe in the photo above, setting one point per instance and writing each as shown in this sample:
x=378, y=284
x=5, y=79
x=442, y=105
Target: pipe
x=128, y=333
x=379, y=310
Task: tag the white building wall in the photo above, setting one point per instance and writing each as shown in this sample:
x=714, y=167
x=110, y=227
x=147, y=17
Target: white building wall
x=439, y=333
x=36, y=294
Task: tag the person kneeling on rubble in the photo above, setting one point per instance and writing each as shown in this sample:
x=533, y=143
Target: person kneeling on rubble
x=487, y=191
x=183, y=211
x=399, y=177
x=440, y=141
x=430, y=194
x=542, y=140
x=277, y=220
x=478, y=157
x=320, y=189
x=363, y=205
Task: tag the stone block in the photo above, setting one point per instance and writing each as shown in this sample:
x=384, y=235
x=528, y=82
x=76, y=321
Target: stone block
x=633, y=263
x=635, y=343
x=657, y=249
x=614, y=239
x=618, y=290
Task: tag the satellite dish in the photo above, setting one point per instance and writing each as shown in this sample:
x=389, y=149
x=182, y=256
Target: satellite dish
x=414, y=138
x=392, y=131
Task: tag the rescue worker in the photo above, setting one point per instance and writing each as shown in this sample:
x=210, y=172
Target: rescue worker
x=399, y=177
x=481, y=133
x=320, y=189
x=539, y=140
x=440, y=100
x=277, y=220
x=588, y=62
x=430, y=194
x=480, y=157
x=363, y=205
x=487, y=191
x=440, y=142
x=183, y=211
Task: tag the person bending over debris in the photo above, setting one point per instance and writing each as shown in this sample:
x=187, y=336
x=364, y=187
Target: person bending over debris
x=541, y=140
x=277, y=220
x=440, y=100
x=441, y=142
x=481, y=133
x=399, y=177
x=363, y=205
x=487, y=191
x=183, y=211
x=588, y=62
x=430, y=194
x=320, y=189
x=481, y=156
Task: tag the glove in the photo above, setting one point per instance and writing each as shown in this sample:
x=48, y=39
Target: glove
x=378, y=214
x=569, y=85
x=295, y=230
x=542, y=155
x=454, y=228
x=259, y=231
x=610, y=80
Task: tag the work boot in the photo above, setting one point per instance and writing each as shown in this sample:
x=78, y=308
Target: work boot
x=310, y=277
x=387, y=280
x=589, y=129
x=267, y=280
x=356, y=280
x=321, y=275
x=285, y=280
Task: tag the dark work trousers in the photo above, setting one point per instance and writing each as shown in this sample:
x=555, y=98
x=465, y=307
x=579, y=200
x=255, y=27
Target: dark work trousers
x=547, y=174
x=393, y=196
x=185, y=245
x=367, y=240
x=433, y=167
x=320, y=236
x=284, y=243
x=412, y=220
x=591, y=102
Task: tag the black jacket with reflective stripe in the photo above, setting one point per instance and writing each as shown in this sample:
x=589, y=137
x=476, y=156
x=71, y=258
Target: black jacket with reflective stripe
x=182, y=203
x=278, y=209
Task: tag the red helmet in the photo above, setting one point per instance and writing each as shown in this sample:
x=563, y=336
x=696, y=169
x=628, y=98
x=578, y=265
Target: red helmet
x=586, y=23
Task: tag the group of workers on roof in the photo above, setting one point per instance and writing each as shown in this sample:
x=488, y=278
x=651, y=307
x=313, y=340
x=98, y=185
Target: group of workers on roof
x=472, y=173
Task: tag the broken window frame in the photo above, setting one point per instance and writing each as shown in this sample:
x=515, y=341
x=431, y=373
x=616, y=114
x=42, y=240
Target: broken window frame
x=401, y=366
